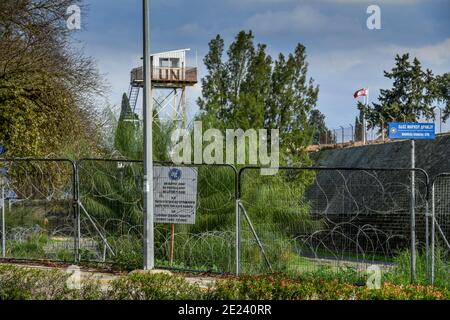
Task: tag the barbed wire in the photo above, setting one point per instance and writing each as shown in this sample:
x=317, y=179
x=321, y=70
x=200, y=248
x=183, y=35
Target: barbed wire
x=363, y=217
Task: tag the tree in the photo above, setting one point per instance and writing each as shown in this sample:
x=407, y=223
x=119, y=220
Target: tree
x=250, y=90
x=358, y=129
x=127, y=140
x=321, y=134
x=412, y=96
x=47, y=88
x=443, y=93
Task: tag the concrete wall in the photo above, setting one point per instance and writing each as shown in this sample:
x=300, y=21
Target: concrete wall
x=384, y=206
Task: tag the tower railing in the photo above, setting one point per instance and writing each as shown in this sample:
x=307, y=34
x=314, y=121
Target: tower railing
x=166, y=74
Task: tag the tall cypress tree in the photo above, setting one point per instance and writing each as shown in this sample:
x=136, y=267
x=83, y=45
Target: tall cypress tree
x=321, y=134
x=127, y=140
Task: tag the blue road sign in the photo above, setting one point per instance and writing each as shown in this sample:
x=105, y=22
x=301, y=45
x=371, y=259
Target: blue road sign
x=411, y=130
x=2, y=149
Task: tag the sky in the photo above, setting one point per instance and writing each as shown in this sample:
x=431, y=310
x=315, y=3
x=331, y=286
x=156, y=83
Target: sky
x=343, y=54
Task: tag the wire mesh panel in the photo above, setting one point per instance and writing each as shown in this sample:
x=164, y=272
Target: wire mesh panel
x=307, y=220
x=111, y=215
x=441, y=230
x=38, y=209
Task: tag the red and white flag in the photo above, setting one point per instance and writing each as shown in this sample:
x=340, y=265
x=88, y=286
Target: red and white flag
x=361, y=93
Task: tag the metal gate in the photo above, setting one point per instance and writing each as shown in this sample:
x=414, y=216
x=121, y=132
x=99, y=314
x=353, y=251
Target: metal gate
x=297, y=220
x=38, y=206
x=302, y=220
x=440, y=230
x=111, y=221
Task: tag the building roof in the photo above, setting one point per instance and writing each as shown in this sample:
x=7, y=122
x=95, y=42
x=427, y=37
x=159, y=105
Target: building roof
x=169, y=52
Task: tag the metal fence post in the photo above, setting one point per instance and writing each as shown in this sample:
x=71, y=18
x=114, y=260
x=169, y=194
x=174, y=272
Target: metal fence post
x=237, y=195
x=427, y=242
x=238, y=238
x=413, y=214
x=433, y=210
x=2, y=204
x=76, y=210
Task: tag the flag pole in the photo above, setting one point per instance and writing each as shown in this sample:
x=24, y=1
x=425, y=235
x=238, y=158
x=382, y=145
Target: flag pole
x=366, y=98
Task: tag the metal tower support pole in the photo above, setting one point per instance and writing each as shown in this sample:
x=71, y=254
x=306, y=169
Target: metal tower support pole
x=149, y=253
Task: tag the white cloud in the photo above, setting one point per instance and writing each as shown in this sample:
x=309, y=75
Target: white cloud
x=375, y=59
x=338, y=61
x=436, y=54
x=192, y=29
x=300, y=18
x=270, y=2
x=384, y=2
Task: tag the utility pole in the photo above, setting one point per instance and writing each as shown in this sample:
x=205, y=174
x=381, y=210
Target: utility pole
x=149, y=253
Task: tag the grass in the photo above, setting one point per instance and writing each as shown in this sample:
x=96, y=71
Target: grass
x=216, y=254
x=401, y=274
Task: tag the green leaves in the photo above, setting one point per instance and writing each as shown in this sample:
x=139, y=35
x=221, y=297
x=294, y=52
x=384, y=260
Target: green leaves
x=47, y=87
x=249, y=90
x=412, y=96
x=442, y=87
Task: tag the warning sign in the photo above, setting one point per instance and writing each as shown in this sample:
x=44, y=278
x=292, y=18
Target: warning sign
x=175, y=194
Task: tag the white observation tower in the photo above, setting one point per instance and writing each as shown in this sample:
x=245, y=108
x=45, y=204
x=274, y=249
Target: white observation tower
x=171, y=74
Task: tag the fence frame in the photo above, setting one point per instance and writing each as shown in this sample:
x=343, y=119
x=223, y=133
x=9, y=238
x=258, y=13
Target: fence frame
x=161, y=163
x=74, y=194
x=412, y=203
x=435, y=223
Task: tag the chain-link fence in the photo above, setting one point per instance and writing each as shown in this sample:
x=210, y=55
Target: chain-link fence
x=324, y=219
x=440, y=230
x=352, y=134
x=348, y=135
x=38, y=209
x=111, y=220
x=298, y=220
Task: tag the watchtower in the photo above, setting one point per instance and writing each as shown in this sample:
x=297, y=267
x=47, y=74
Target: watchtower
x=171, y=74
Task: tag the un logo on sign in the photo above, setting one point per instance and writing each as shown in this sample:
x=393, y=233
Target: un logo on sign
x=175, y=174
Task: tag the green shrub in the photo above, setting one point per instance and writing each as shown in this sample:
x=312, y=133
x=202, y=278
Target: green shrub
x=27, y=283
x=22, y=283
x=144, y=286
x=402, y=292
x=281, y=288
x=17, y=283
